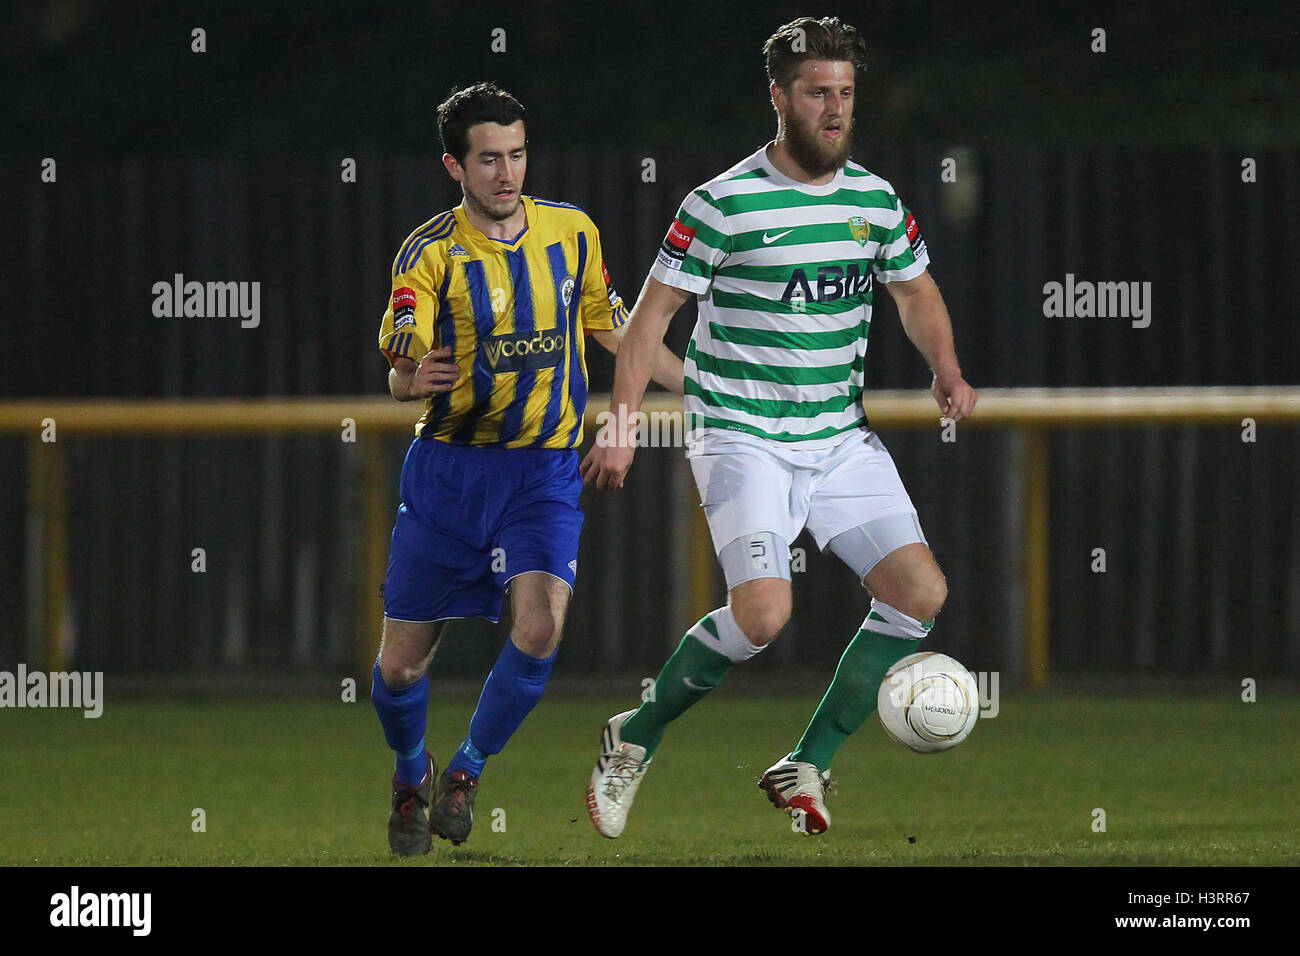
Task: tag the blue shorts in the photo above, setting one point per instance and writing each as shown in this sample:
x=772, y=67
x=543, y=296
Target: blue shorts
x=472, y=518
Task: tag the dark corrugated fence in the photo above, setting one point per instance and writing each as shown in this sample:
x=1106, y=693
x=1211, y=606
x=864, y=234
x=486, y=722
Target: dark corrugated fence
x=1201, y=531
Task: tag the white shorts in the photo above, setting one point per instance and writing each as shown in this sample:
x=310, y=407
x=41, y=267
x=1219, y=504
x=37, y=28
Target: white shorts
x=750, y=485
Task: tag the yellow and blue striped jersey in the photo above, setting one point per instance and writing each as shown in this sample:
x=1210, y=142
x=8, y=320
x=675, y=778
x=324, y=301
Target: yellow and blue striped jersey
x=514, y=313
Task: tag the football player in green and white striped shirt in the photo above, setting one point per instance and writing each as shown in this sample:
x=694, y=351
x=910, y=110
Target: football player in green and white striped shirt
x=782, y=252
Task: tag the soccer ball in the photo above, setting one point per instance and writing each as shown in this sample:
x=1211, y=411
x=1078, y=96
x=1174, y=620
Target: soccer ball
x=928, y=702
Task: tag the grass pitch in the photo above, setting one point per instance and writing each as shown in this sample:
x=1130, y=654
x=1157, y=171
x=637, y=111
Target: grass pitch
x=1182, y=781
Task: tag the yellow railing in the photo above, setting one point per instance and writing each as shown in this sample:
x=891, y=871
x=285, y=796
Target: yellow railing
x=1029, y=412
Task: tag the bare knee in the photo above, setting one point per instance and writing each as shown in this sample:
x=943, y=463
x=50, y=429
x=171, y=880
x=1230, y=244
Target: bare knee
x=909, y=580
x=406, y=649
x=399, y=673
x=922, y=596
x=761, y=608
x=928, y=598
x=537, y=633
x=538, y=603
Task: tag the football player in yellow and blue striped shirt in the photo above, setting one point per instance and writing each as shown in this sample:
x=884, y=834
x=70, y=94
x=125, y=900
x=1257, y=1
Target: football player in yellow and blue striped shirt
x=487, y=323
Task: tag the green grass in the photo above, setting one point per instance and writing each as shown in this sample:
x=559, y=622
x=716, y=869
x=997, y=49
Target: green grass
x=1186, y=780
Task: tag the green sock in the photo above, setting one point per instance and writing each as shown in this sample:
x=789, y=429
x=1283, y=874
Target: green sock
x=672, y=696
x=852, y=695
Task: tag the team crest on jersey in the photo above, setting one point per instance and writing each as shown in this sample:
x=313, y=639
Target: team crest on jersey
x=566, y=290
x=860, y=228
x=457, y=251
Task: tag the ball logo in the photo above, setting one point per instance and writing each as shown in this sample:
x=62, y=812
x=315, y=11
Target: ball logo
x=935, y=709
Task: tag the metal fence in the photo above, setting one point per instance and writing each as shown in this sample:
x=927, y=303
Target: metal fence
x=81, y=256
x=1199, y=527
x=1083, y=532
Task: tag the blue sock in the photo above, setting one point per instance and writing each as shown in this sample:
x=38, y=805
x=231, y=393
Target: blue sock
x=510, y=692
x=403, y=713
x=468, y=758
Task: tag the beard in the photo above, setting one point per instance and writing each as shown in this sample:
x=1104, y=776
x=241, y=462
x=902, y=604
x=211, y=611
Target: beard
x=490, y=207
x=807, y=148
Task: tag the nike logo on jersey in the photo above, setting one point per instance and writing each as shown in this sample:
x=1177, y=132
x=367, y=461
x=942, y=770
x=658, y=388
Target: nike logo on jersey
x=770, y=239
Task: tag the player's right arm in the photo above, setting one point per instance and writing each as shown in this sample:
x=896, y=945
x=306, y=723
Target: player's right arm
x=697, y=243
x=417, y=370
x=609, y=460
x=409, y=381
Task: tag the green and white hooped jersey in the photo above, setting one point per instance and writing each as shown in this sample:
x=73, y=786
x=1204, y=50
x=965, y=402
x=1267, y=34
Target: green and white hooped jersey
x=784, y=274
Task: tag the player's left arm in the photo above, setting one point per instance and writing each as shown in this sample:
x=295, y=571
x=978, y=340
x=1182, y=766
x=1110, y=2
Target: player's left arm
x=928, y=326
x=668, y=370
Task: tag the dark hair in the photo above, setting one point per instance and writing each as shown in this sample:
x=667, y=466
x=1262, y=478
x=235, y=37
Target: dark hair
x=811, y=39
x=480, y=103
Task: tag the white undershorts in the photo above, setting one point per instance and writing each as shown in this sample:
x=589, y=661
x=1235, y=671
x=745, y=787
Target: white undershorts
x=749, y=485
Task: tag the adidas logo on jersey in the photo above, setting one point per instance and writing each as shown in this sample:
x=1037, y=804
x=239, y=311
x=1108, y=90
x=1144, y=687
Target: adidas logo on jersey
x=457, y=250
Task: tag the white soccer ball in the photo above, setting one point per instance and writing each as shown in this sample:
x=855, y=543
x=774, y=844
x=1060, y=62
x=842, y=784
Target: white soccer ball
x=928, y=702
